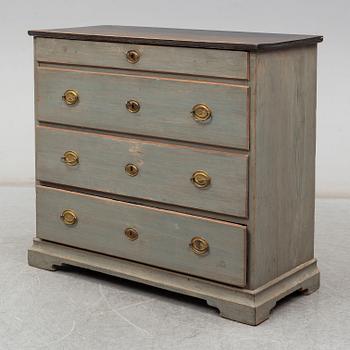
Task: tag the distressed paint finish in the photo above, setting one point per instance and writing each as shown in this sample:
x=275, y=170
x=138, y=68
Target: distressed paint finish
x=225, y=64
x=166, y=105
x=262, y=134
x=282, y=163
x=164, y=236
x=165, y=170
x=248, y=306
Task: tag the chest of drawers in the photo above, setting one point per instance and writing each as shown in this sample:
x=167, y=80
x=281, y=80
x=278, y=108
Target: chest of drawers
x=180, y=159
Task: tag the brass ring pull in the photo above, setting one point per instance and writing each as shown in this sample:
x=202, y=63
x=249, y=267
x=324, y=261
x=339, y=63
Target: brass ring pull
x=70, y=158
x=131, y=233
x=201, y=113
x=133, y=56
x=69, y=217
x=201, y=179
x=131, y=169
x=70, y=97
x=199, y=245
x=133, y=106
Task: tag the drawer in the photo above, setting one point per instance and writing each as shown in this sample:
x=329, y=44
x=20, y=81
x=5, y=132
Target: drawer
x=164, y=171
x=205, y=62
x=165, y=106
x=185, y=243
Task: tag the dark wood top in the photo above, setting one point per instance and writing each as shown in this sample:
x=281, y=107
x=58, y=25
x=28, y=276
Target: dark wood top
x=182, y=37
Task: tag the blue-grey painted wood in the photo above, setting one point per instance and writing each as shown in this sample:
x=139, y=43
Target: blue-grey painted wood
x=164, y=170
x=166, y=105
x=205, y=62
x=282, y=163
x=235, y=303
x=163, y=240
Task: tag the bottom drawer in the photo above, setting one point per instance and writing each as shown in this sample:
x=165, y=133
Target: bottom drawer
x=193, y=245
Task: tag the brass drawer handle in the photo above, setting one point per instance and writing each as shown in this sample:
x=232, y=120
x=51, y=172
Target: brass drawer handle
x=70, y=97
x=70, y=158
x=201, y=179
x=131, y=169
x=133, y=56
x=201, y=113
x=131, y=233
x=199, y=245
x=69, y=217
x=133, y=106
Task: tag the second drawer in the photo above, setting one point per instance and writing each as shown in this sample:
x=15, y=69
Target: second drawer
x=190, y=177
x=193, y=111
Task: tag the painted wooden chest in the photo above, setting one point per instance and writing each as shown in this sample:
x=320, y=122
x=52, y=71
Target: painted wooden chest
x=181, y=159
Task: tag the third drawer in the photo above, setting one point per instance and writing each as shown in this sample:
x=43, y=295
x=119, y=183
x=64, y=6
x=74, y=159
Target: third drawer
x=204, y=179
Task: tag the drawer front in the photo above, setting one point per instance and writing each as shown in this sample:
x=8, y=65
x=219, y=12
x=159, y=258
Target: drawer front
x=164, y=171
x=165, y=106
x=160, y=237
x=205, y=62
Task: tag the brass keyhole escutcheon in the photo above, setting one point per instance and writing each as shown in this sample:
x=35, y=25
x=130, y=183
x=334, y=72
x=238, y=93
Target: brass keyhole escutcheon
x=70, y=97
x=133, y=106
x=199, y=245
x=69, y=217
x=201, y=113
x=131, y=169
x=70, y=158
x=131, y=233
x=201, y=179
x=133, y=56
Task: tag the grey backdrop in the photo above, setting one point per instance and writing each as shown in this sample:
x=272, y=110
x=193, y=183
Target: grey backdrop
x=330, y=18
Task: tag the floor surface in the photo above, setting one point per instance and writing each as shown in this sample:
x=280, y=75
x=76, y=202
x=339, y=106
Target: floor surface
x=76, y=309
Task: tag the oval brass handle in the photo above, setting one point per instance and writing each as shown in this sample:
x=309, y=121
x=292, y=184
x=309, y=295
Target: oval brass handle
x=131, y=169
x=131, y=233
x=133, y=106
x=201, y=179
x=133, y=56
x=69, y=217
x=70, y=97
x=201, y=113
x=70, y=158
x=199, y=245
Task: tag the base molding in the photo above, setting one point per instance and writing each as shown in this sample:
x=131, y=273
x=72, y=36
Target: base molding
x=242, y=305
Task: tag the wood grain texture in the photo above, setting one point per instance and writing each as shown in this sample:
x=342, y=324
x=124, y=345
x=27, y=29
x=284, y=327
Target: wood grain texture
x=239, y=304
x=165, y=112
x=147, y=74
x=165, y=170
x=182, y=37
x=205, y=62
x=164, y=236
x=282, y=162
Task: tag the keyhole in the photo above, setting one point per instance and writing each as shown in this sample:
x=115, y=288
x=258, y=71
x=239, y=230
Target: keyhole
x=133, y=56
x=131, y=169
x=133, y=106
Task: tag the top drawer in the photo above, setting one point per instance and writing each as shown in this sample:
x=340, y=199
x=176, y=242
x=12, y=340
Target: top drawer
x=204, y=62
